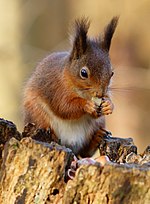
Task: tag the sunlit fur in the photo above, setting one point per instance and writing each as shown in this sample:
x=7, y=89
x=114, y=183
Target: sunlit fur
x=57, y=97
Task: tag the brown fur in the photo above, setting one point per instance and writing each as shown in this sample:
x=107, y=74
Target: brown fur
x=56, y=87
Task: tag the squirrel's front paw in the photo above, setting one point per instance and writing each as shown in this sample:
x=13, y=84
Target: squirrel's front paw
x=93, y=109
x=107, y=106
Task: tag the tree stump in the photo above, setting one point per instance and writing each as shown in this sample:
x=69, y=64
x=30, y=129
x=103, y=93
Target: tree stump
x=35, y=171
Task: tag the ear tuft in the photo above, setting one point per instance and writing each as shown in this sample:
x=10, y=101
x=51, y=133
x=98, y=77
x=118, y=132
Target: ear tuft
x=108, y=33
x=81, y=27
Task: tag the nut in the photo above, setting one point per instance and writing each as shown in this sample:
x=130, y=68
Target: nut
x=97, y=100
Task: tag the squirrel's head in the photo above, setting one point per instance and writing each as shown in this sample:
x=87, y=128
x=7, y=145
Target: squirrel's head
x=89, y=64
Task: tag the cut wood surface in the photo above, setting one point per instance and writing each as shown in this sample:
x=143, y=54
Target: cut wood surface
x=35, y=171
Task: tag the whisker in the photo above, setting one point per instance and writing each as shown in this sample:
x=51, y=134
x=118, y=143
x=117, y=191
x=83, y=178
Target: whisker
x=118, y=89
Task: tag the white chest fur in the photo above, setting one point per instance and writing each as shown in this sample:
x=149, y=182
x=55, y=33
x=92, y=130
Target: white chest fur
x=73, y=133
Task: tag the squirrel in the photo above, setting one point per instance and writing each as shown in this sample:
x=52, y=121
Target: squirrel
x=59, y=94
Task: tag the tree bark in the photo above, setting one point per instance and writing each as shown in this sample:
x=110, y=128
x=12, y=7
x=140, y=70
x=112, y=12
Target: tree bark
x=37, y=172
x=113, y=184
x=33, y=172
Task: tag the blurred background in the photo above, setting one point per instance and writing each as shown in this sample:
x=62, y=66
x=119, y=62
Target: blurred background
x=31, y=29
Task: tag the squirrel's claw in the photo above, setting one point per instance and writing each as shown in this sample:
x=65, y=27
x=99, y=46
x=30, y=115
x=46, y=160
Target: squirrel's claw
x=96, y=111
x=107, y=107
x=93, y=109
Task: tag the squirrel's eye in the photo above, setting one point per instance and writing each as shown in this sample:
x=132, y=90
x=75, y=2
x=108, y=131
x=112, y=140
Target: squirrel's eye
x=84, y=73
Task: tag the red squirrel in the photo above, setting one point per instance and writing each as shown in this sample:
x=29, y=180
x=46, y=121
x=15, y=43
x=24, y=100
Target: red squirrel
x=59, y=93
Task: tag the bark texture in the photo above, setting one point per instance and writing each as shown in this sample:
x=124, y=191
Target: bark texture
x=35, y=171
x=117, y=184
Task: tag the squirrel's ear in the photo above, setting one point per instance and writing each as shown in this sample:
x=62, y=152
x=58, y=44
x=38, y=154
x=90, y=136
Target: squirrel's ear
x=108, y=33
x=81, y=27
